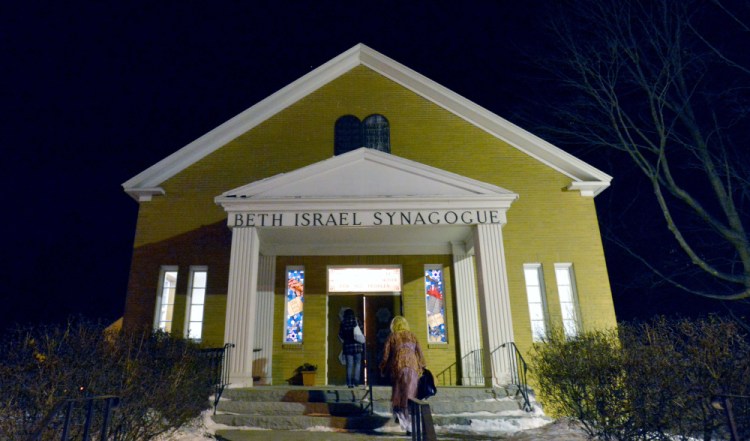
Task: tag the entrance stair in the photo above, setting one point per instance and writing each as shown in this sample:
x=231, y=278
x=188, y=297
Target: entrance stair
x=339, y=408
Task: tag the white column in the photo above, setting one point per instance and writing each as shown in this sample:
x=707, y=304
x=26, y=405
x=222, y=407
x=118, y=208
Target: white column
x=469, y=339
x=264, y=320
x=242, y=298
x=494, y=301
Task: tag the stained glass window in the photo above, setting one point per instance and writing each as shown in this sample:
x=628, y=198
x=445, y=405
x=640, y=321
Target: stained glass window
x=295, y=303
x=435, y=303
x=350, y=134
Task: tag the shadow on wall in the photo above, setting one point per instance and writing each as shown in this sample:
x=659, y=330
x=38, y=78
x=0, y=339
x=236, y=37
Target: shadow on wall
x=209, y=246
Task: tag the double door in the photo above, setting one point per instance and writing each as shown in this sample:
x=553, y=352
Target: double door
x=374, y=314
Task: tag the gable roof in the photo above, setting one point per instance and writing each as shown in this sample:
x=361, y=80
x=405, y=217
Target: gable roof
x=586, y=178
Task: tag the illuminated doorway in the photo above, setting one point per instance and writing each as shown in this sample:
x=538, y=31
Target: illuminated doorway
x=374, y=294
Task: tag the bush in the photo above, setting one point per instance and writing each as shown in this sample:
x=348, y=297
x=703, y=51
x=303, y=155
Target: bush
x=653, y=380
x=162, y=381
x=584, y=378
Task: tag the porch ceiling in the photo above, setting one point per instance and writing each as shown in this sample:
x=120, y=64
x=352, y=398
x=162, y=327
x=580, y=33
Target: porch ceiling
x=381, y=240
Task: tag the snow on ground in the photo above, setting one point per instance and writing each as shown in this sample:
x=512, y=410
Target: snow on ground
x=534, y=428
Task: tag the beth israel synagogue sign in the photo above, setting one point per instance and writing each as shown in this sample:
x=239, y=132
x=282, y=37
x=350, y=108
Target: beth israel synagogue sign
x=365, y=218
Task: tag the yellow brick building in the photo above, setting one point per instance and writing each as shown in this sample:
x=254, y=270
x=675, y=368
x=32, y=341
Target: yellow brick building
x=365, y=185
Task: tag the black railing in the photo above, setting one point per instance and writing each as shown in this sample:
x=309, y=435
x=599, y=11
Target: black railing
x=78, y=417
x=518, y=370
x=422, y=427
x=370, y=406
x=218, y=359
x=471, y=362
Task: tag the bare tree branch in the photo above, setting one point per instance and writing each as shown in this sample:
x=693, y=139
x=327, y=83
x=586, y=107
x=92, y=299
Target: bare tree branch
x=653, y=84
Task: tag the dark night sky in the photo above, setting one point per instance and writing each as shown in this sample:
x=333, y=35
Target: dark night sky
x=94, y=93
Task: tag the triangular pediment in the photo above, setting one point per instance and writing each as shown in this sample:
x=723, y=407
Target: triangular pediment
x=367, y=174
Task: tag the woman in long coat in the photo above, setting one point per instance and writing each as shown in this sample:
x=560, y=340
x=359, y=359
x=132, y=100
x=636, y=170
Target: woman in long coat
x=404, y=361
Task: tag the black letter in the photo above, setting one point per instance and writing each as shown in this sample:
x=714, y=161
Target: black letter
x=406, y=218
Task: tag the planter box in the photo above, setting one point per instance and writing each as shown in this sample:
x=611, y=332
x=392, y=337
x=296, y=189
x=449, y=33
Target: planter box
x=308, y=378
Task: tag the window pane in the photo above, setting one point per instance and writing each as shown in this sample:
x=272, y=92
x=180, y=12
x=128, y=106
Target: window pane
x=570, y=328
x=199, y=296
x=565, y=293
x=199, y=279
x=376, y=133
x=169, y=295
x=563, y=276
x=196, y=313
x=532, y=276
x=534, y=293
x=536, y=311
x=538, y=331
x=568, y=311
x=195, y=330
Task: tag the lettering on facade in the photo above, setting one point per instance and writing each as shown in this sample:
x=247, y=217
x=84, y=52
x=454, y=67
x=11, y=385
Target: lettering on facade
x=364, y=218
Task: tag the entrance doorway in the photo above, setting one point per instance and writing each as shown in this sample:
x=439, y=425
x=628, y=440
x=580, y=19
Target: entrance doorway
x=374, y=313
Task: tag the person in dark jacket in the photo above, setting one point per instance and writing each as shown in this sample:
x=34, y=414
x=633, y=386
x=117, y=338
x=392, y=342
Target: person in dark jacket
x=351, y=348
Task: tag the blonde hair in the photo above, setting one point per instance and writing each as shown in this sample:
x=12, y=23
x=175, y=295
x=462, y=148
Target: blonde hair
x=399, y=323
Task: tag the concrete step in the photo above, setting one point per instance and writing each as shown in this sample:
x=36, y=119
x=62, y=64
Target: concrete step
x=343, y=394
x=293, y=408
x=303, y=422
x=438, y=407
x=351, y=423
x=341, y=408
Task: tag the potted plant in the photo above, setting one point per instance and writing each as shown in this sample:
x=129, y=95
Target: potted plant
x=308, y=374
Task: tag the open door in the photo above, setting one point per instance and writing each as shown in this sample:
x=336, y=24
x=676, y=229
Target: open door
x=374, y=313
x=336, y=306
x=379, y=311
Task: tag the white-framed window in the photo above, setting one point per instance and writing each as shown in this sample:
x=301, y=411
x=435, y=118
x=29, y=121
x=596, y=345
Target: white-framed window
x=165, y=298
x=566, y=289
x=536, y=297
x=196, y=302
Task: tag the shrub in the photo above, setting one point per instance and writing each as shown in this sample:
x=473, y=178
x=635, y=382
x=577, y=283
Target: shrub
x=653, y=380
x=584, y=378
x=162, y=381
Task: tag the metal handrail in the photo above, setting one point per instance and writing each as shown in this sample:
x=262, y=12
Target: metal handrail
x=422, y=426
x=110, y=402
x=518, y=371
x=368, y=370
x=219, y=360
x=477, y=360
